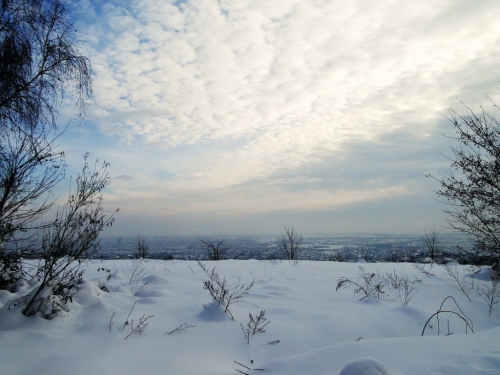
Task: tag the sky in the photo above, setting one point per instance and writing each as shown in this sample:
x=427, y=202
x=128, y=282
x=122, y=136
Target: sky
x=241, y=117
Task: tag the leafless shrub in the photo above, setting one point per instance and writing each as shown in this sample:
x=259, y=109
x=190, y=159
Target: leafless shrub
x=406, y=286
x=491, y=293
x=223, y=293
x=368, y=284
x=138, y=328
x=460, y=281
x=69, y=241
x=470, y=188
x=134, y=271
x=182, y=328
x=255, y=325
x=460, y=314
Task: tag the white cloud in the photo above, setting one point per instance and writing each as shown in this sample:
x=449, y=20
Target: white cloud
x=262, y=88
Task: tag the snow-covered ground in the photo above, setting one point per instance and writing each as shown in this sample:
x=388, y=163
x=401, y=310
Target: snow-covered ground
x=313, y=328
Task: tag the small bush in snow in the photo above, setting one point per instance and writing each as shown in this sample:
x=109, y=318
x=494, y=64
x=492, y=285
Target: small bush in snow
x=135, y=329
x=255, y=325
x=68, y=242
x=406, y=286
x=223, y=293
x=133, y=273
x=368, y=284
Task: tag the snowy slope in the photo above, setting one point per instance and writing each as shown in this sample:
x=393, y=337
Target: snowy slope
x=320, y=330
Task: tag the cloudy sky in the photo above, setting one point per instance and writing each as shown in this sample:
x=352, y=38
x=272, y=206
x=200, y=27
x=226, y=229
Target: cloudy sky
x=241, y=116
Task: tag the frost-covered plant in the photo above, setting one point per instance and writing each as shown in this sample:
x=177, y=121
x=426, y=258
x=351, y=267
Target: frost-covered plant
x=223, y=293
x=368, y=285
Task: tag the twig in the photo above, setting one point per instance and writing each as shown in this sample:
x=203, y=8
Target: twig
x=126, y=323
x=111, y=322
x=242, y=365
x=140, y=327
x=182, y=328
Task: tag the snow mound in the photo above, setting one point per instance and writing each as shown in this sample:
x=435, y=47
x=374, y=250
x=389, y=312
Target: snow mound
x=214, y=313
x=365, y=366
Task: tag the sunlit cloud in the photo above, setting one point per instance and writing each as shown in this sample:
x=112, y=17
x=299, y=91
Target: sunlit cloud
x=206, y=96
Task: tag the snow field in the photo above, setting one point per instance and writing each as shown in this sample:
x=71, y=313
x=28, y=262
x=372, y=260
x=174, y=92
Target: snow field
x=320, y=330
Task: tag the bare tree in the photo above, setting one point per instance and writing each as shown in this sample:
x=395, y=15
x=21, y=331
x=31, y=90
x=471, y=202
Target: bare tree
x=39, y=61
x=472, y=185
x=290, y=244
x=216, y=249
x=141, y=248
x=40, y=66
x=431, y=243
x=29, y=169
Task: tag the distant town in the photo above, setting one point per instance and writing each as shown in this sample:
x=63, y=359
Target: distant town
x=347, y=248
